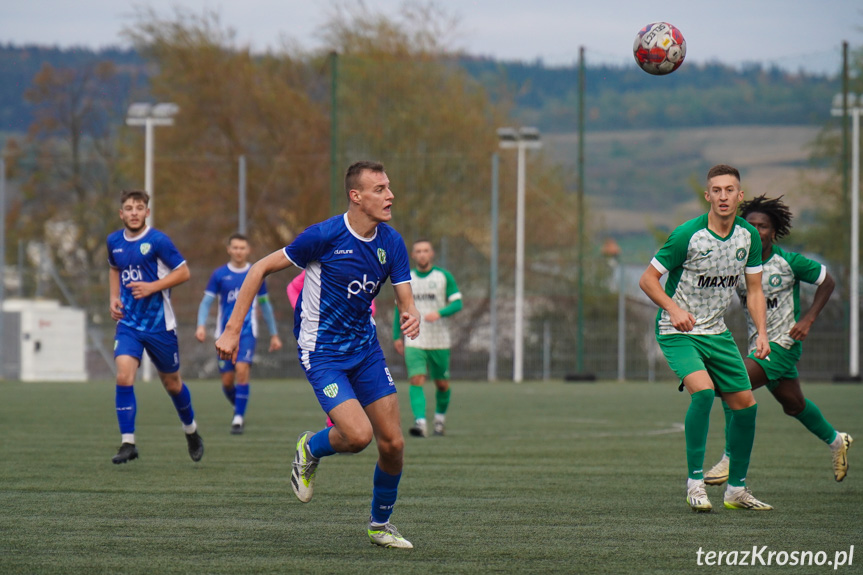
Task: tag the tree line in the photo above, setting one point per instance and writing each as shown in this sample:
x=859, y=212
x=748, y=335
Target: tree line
x=618, y=97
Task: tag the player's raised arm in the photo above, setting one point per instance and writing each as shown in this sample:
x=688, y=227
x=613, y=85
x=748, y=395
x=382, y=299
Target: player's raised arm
x=228, y=342
x=409, y=316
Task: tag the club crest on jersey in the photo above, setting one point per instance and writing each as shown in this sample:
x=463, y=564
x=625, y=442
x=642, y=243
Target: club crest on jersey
x=382, y=255
x=775, y=280
x=145, y=248
x=741, y=254
x=331, y=390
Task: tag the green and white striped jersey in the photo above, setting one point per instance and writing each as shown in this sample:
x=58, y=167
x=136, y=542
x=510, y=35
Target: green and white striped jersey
x=703, y=271
x=783, y=271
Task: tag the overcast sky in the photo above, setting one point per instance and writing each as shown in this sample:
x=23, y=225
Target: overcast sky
x=793, y=34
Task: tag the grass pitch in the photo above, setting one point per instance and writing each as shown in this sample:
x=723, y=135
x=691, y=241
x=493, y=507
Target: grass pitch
x=531, y=478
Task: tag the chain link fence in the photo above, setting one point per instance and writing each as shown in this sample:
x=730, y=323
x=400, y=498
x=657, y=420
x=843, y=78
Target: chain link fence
x=551, y=335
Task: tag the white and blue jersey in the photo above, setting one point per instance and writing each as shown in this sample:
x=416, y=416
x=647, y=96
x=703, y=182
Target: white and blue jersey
x=344, y=272
x=224, y=285
x=147, y=258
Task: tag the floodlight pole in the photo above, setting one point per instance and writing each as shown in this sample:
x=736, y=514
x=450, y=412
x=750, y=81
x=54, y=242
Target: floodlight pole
x=150, y=116
x=521, y=140
x=852, y=105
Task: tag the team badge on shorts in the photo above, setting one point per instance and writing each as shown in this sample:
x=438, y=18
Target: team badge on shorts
x=382, y=255
x=331, y=390
x=145, y=248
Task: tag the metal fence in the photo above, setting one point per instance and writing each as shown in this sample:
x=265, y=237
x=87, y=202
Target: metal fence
x=551, y=334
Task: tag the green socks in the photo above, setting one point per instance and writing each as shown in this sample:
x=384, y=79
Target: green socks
x=418, y=401
x=812, y=420
x=728, y=413
x=696, y=424
x=810, y=417
x=741, y=436
x=442, y=400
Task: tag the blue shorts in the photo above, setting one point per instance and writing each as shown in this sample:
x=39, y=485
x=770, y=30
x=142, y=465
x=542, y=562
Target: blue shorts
x=161, y=346
x=245, y=355
x=337, y=378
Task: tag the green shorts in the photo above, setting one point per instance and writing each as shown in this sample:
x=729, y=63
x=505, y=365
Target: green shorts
x=717, y=354
x=431, y=362
x=780, y=364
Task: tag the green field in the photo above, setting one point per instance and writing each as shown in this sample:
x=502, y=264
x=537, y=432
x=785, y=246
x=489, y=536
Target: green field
x=531, y=478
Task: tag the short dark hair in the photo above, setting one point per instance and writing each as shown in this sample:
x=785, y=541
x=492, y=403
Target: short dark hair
x=139, y=195
x=352, y=176
x=722, y=170
x=237, y=236
x=774, y=208
x=423, y=240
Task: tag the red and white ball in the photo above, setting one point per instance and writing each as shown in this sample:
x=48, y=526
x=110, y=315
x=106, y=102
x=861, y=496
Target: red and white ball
x=659, y=48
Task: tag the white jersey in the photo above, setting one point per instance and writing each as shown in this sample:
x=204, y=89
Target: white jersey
x=703, y=270
x=433, y=291
x=783, y=272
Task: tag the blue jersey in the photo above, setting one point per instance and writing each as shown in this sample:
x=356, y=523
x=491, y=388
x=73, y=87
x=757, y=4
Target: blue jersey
x=344, y=272
x=147, y=258
x=224, y=285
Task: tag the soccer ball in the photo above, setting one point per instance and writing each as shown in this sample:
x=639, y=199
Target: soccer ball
x=659, y=48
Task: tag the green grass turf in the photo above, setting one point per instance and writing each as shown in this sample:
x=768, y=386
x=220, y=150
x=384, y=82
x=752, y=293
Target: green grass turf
x=531, y=478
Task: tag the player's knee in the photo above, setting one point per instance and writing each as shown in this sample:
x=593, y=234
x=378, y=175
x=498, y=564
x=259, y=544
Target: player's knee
x=357, y=443
x=357, y=438
x=793, y=406
x=392, y=449
x=125, y=380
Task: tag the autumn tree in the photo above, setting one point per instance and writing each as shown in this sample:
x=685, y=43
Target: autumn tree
x=233, y=103
x=70, y=194
x=403, y=98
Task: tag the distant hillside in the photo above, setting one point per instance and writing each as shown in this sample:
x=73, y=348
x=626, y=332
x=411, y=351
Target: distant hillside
x=617, y=98
x=639, y=180
x=20, y=64
x=628, y=98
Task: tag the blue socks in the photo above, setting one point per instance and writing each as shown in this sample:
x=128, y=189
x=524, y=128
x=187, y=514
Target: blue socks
x=241, y=398
x=127, y=407
x=384, y=493
x=319, y=444
x=183, y=404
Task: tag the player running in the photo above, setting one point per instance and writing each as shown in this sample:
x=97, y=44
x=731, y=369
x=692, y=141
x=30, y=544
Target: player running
x=705, y=258
x=347, y=258
x=225, y=283
x=145, y=265
x=783, y=271
x=437, y=297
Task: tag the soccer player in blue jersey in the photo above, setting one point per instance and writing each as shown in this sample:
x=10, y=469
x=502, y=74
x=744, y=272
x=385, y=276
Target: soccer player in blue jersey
x=786, y=330
x=145, y=265
x=225, y=284
x=347, y=258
